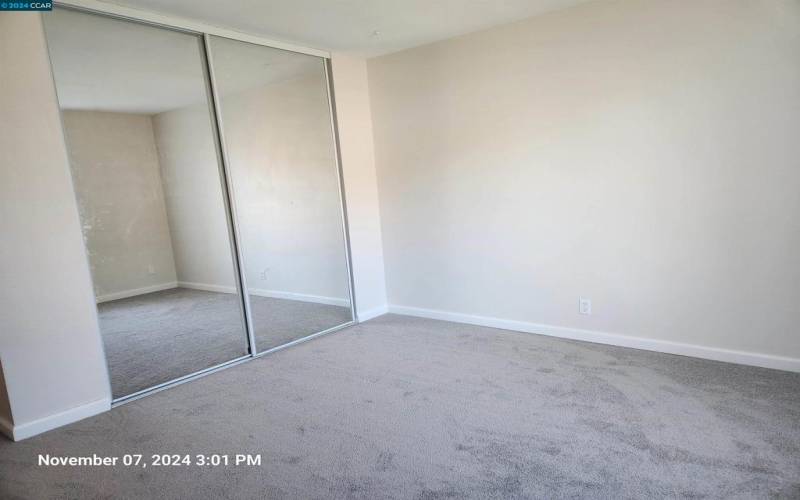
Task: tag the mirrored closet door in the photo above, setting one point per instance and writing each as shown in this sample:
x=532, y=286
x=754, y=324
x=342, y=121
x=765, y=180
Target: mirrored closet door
x=208, y=184
x=281, y=157
x=143, y=152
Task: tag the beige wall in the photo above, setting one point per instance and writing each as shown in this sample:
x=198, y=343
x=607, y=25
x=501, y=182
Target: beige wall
x=193, y=196
x=284, y=181
x=115, y=171
x=358, y=165
x=643, y=154
x=50, y=348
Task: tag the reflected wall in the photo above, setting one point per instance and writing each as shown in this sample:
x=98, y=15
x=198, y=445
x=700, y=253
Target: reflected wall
x=281, y=158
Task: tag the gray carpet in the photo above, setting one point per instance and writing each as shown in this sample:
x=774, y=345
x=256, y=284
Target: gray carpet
x=409, y=408
x=160, y=336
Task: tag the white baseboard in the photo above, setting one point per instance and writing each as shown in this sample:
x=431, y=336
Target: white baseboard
x=319, y=299
x=207, y=287
x=372, y=313
x=136, y=291
x=664, y=346
x=18, y=432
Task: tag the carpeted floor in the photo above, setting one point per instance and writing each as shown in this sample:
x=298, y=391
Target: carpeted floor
x=409, y=408
x=160, y=336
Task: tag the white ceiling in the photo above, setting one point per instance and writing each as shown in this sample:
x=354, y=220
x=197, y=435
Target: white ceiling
x=103, y=64
x=350, y=25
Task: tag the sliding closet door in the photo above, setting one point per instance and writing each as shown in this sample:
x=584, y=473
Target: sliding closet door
x=280, y=155
x=144, y=160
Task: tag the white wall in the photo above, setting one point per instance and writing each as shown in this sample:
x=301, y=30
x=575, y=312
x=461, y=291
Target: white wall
x=643, y=154
x=358, y=165
x=50, y=349
x=115, y=171
x=193, y=193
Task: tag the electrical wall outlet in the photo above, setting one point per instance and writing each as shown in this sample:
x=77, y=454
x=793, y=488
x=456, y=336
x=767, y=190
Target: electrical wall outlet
x=585, y=305
x=264, y=274
x=151, y=269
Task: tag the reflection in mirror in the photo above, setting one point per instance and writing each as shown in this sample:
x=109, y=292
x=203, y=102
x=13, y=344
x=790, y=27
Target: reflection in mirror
x=280, y=154
x=144, y=164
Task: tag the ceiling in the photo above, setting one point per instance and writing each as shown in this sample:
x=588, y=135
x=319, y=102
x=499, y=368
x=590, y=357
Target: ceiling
x=103, y=64
x=361, y=27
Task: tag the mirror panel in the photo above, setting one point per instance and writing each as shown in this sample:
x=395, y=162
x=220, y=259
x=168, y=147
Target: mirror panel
x=146, y=174
x=280, y=155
